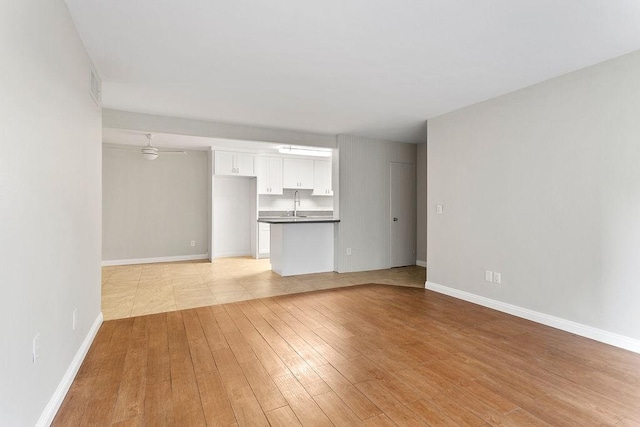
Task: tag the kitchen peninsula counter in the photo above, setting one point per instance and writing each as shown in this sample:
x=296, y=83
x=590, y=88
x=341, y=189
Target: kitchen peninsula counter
x=297, y=220
x=301, y=245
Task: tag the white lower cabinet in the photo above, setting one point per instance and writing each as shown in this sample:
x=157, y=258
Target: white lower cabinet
x=264, y=238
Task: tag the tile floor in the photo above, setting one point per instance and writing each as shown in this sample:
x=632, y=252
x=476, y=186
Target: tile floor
x=136, y=290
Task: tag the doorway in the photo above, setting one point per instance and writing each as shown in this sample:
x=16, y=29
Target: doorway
x=402, y=214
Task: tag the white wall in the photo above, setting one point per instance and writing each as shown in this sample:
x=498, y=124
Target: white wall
x=421, y=202
x=154, y=209
x=162, y=124
x=284, y=202
x=364, y=201
x=232, y=215
x=543, y=185
x=50, y=162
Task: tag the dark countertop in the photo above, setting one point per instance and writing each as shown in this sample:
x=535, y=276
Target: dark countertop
x=298, y=220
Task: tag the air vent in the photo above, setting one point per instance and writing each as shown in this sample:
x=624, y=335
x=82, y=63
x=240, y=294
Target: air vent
x=96, y=87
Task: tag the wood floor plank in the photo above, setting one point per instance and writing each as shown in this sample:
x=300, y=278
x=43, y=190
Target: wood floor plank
x=98, y=351
x=336, y=410
x=229, y=369
x=215, y=402
x=130, y=401
x=158, y=358
x=263, y=387
x=265, y=354
x=430, y=413
x=240, y=347
x=295, y=341
x=158, y=404
x=99, y=410
x=302, y=404
x=246, y=407
x=187, y=406
x=379, y=421
x=366, y=354
x=224, y=322
x=359, y=369
x=391, y=407
x=282, y=417
x=179, y=355
x=77, y=399
x=349, y=394
x=201, y=356
x=192, y=325
x=211, y=329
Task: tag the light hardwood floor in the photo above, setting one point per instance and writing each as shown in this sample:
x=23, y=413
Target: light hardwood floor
x=136, y=290
x=372, y=355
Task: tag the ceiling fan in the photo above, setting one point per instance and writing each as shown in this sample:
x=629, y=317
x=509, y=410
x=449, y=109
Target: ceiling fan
x=149, y=152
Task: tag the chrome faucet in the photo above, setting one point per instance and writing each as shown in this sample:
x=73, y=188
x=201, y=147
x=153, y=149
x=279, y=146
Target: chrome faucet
x=296, y=203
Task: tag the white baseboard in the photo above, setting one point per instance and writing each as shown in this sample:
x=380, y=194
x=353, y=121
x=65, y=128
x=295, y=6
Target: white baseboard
x=586, y=331
x=155, y=260
x=421, y=263
x=229, y=254
x=50, y=411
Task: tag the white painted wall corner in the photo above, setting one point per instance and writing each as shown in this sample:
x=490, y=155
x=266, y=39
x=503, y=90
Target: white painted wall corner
x=421, y=263
x=586, y=331
x=50, y=411
x=154, y=260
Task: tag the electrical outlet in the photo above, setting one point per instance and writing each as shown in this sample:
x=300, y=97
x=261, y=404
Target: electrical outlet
x=439, y=209
x=74, y=315
x=348, y=251
x=35, y=350
x=193, y=243
x=497, y=277
x=488, y=276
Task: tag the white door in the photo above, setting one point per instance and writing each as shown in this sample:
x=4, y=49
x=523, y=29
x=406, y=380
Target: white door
x=245, y=164
x=305, y=174
x=402, y=214
x=264, y=238
x=275, y=175
x=290, y=173
x=322, y=178
x=224, y=163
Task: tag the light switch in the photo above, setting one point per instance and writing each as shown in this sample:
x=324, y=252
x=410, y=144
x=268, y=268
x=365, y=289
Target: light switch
x=439, y=209
x=488, y=276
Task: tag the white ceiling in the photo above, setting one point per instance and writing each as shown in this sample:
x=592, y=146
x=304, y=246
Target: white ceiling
x=375, y=68
x=185, y=142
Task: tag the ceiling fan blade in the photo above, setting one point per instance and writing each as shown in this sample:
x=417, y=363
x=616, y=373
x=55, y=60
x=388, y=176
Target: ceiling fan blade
x=171, y=151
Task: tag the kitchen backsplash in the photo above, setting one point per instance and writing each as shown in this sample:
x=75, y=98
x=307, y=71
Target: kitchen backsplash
x=267, y=202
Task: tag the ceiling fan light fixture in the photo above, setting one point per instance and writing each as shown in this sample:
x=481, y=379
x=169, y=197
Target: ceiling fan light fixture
x=150, y=156
x=149, y=152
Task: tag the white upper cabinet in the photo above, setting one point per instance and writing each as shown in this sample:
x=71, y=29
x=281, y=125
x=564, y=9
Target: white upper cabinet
x=322, y=178
x=231, y=163
x=269, y=175
x=297, y=173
